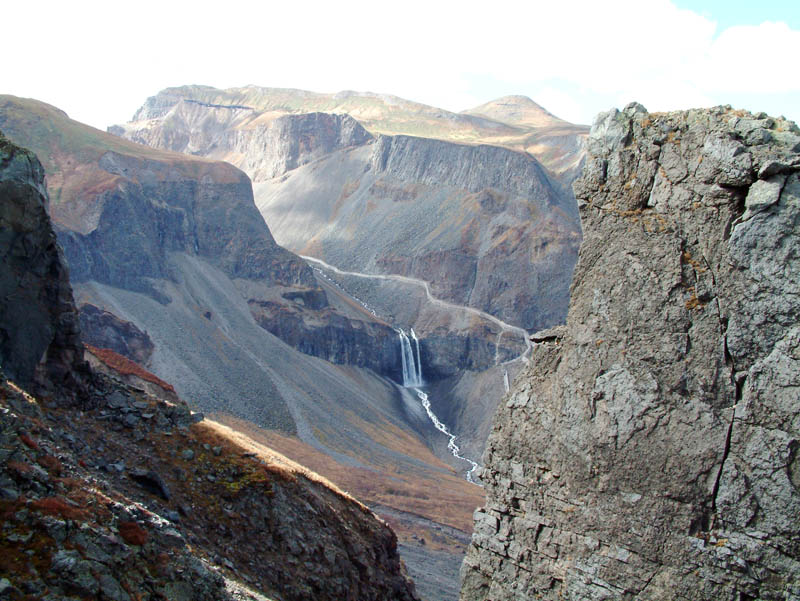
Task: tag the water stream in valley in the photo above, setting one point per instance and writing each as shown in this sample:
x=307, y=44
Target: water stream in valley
x=504, y=327
x=409, y=345
x=412, y=378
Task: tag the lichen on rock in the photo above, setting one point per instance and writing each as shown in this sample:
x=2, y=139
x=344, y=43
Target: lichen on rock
x=650, y=452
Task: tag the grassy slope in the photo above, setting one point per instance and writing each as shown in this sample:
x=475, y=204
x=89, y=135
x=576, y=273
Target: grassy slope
x=443, y=498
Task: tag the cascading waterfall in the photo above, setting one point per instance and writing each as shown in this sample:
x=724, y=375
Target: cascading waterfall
x=412, y=378
x=412, y=366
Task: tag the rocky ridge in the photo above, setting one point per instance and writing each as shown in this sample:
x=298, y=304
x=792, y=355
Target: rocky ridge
x=515, y=122
x=650, y=451
x=111, y=493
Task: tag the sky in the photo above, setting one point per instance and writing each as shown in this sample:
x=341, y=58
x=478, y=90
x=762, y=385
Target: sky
x=99, y=61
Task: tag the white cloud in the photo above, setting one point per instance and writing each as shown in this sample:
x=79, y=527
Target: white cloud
x=99, y=60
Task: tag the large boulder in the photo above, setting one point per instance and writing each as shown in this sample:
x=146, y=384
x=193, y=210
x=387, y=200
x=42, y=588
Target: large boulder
x=39, y=331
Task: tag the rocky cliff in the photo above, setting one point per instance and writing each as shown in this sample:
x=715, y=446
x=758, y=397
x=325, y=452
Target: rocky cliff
x=514, y=122
x=484, y=226
x=650, y=452
x=120, y=211
x=39, y=332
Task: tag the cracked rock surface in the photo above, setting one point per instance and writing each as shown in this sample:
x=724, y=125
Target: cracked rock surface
x=651, y=451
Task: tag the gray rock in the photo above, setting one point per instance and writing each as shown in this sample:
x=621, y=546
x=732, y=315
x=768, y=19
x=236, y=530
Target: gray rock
x=151, y=481
x=651, y=452
x=39, y=328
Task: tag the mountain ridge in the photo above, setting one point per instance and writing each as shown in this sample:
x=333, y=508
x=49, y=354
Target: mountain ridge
x=549, y=140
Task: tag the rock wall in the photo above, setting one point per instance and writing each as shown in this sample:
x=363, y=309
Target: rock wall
x=107, y=331
x=154, y=210
x=39, y=332
x=651, y=451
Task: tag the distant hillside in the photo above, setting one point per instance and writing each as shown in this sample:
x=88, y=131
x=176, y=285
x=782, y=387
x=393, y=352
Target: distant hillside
x=554, y=142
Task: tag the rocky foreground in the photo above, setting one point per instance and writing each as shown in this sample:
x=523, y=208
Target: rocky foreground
x=651, y=451
x=108, y=492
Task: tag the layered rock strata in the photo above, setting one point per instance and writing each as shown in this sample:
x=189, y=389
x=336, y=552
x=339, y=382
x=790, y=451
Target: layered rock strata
x=651, y=451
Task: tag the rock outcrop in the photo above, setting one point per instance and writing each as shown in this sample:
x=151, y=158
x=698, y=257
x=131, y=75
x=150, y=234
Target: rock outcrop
x=105, y=330
x=651, y=451
x=39, y=331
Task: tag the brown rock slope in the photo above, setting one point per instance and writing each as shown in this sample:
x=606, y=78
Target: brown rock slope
x=651, y=451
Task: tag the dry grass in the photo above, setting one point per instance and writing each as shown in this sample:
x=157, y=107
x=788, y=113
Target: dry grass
x=217, y=434
x=441, y=497
x=127, y=367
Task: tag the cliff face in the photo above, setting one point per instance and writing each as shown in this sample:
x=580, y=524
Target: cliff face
x=650, y=451
x=484, y=226
x=121, y=210
x=39, y=332
x=263, y=145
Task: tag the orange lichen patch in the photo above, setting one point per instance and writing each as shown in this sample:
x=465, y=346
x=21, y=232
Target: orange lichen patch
x=132, y=533
x=51, y=464
x=694, y=303
x=127, y=367
x=686, y=257
x=56, y=506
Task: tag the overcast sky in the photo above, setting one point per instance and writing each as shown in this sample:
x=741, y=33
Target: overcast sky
x=98, y=61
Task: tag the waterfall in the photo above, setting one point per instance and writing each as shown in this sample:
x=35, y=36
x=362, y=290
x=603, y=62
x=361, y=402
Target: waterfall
x=412, y=366
x=412, y=378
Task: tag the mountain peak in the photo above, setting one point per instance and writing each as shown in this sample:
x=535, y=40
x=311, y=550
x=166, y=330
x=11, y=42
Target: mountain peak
x=516, y=110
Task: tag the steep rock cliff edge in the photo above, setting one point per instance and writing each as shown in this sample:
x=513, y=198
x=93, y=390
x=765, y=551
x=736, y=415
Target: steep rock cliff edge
x=651, y=450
